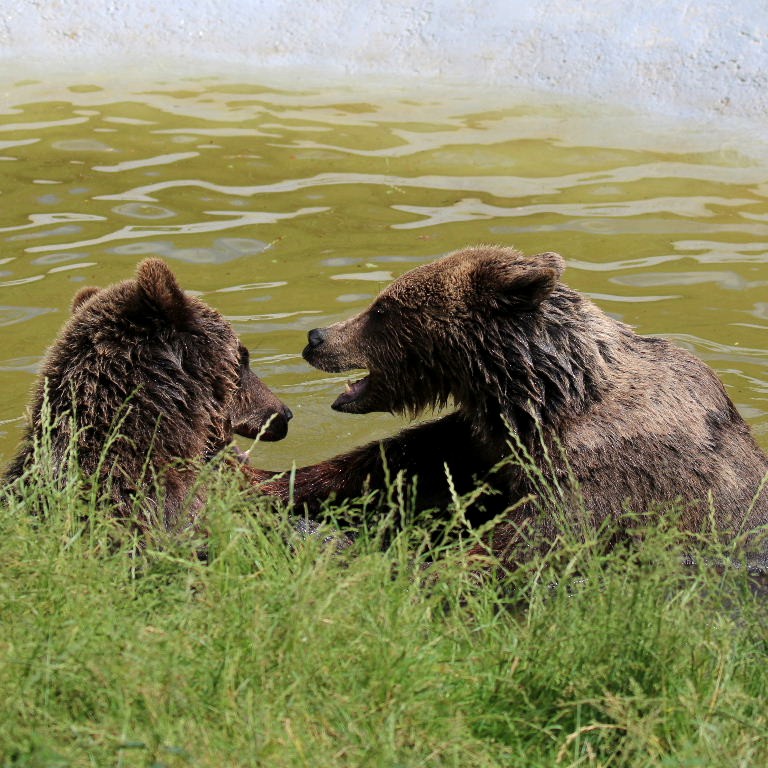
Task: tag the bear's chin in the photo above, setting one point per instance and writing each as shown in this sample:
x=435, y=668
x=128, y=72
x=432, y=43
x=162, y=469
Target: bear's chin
x=267, y=430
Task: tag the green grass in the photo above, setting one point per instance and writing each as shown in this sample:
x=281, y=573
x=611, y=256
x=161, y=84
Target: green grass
x=280, y=652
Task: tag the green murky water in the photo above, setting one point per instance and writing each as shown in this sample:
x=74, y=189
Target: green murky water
x=290, y=208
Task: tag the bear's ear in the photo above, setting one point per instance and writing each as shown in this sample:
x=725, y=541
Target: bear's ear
x=525, y=283
x=551, y=260
x=159, y=287
x=530, y=287
x=82, y=296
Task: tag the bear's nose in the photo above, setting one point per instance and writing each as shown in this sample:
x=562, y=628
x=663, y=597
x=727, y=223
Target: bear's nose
x=288, y=413
x=316, y=337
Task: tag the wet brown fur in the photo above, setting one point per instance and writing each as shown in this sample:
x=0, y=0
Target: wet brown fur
x=152, y=382
x=643, y=423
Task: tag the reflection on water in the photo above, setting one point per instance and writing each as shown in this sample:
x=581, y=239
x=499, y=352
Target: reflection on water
x=289, y=209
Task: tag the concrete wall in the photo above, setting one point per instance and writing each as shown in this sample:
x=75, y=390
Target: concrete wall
x=675, y=56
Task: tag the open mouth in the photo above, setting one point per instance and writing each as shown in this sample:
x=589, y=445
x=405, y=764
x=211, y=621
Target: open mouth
x=354, y=392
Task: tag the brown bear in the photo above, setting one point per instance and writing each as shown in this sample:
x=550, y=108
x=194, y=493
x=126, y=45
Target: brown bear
x=613, y=420
x=145, y=383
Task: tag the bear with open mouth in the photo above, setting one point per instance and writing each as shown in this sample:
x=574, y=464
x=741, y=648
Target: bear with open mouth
x=613, y=420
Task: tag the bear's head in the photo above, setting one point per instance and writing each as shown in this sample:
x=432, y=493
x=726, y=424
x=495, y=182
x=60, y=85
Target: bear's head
x=437, y=332
x=177, y=358
x=146, y=383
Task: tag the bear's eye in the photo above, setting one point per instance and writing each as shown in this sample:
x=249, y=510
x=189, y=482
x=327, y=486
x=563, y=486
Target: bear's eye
x=379, y=310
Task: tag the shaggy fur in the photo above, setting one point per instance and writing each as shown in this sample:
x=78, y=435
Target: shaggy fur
x=146, y=383
x=614, y=420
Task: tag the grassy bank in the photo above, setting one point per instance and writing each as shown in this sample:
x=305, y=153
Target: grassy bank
x=279, y=652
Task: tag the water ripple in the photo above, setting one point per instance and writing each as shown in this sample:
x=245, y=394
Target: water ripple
x=20, y=281
x=42, y=125
x=617, y=265
x=46, y=219
x=719, y=350
x=238, y=219
x=628, y=299
x=212, y=132
x=731, y=281
x=146, y=162
x=14, y=315
x=376, y=277
x=70, y=267
x=714, y=252
x=468, y=209
x=143, y=211
x=20, y=364
x=17, y=143
x=82, y=145
x=252, y=286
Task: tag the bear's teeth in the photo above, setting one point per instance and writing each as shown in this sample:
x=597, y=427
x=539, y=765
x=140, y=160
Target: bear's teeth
x=350, y=385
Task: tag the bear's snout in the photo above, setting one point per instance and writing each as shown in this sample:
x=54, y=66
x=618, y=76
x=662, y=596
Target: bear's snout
x=317, y=348
x=316, y=337
x=276, y=426
x=336, y=348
